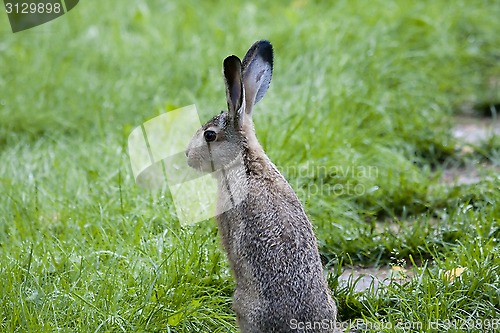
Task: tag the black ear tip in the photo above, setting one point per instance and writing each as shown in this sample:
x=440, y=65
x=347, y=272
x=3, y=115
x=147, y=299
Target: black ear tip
x=231, y=58
x=232, y=64
x=262, y=48
x=232, y=61
x=266, y=50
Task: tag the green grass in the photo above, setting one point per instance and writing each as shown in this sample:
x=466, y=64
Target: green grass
x=363, y=97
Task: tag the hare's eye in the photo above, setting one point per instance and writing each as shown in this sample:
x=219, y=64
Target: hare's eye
x=210, y=136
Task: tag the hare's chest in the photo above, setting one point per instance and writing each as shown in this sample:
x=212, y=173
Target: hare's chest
x=231, y=225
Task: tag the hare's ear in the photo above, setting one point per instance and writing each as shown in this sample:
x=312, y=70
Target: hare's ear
x=234, y=89
x=257, y=72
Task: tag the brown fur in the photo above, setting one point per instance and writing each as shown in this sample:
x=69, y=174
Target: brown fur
x=268, y=238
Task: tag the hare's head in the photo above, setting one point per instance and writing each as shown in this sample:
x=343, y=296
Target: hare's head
x=220, y=141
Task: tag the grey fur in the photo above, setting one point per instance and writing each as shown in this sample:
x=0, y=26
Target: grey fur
x=272, y=250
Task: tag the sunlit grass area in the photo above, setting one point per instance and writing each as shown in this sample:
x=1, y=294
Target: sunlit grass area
x=359, y=119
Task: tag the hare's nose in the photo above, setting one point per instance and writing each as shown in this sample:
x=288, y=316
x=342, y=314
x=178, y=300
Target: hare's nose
x=187, y=152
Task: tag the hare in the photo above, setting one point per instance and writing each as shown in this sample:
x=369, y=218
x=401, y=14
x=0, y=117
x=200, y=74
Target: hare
x=270, y=243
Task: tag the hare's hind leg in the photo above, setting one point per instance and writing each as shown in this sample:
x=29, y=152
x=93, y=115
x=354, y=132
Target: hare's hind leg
x=248, y=310
x=246, y=326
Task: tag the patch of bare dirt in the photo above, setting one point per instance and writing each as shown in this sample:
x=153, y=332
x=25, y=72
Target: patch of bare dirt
x=468, y=175
x=474, y=129
x=471, y=130
x=371, y=278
